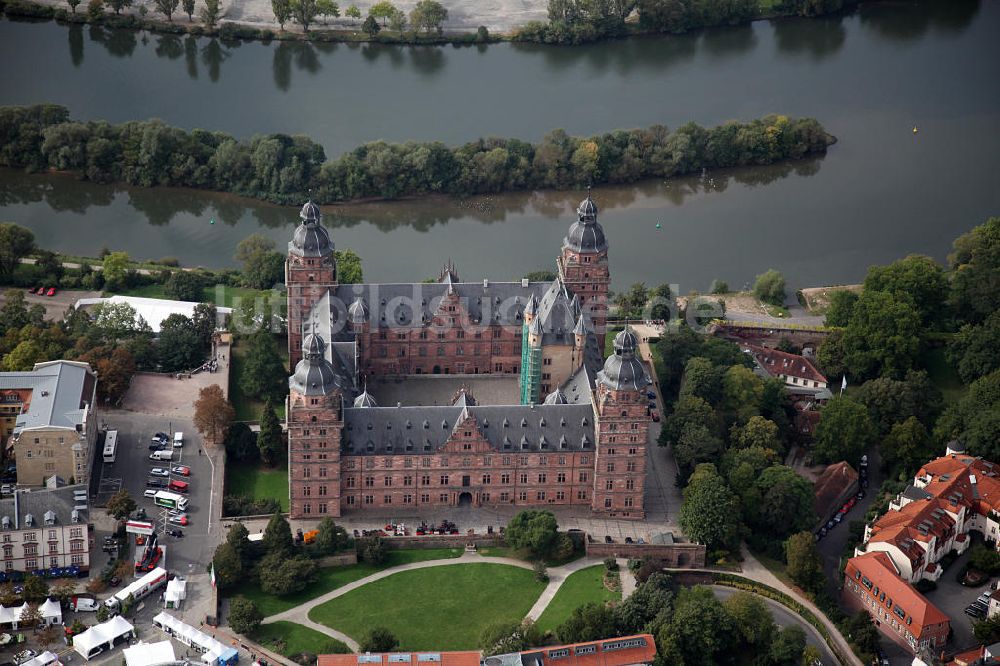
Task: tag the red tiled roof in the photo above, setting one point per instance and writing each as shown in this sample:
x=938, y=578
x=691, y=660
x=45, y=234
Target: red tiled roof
x=777, y=362
x=878, y=568
x=951, y=478
x=623, y=651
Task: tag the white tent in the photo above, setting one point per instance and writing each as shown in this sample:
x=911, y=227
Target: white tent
x=176, y=593
x=148, y=654
x=188, y=635
x=154, y=310
x=102, y=636
x=51, y=612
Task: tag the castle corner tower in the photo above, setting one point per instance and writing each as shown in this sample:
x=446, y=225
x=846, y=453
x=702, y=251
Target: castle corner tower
x=583, y=265
x=310, y=272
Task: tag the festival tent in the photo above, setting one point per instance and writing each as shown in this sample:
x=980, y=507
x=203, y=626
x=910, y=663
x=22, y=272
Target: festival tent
x=215, y=652
x=149, y=654
x=50, y=611
x=102, y=636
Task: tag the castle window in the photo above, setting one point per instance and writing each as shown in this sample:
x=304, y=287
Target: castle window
x=387, y=499
x=444, y=479
x=561, y=477
x=629, y=484
x=611, y=467
x=504, y=478
x=628, y=502
x=581, y=494
x=443, y=497
x=541, y=495
x=542, y=478
x=607, y=503
x=523, y=478
x=387, y=481
x=609, y=485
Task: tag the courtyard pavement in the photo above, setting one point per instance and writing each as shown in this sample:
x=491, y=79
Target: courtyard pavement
x=166, y=395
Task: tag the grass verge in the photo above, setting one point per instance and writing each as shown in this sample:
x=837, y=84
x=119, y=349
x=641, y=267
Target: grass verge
x=330, y=578
x=446, y=608
x=258, y=482
x=289, y=639
x=581, y=587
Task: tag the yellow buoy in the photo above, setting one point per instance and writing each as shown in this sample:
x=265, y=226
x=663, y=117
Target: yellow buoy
x=915, y=130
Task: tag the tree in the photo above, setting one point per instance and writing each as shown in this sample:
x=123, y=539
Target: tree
x=697, y=444
x=975, y=418
x=282, y=11
x=269, y=437
x=987, y=631
x=327, y=8
x=757, y=432
x=651, y=598
x=883, y=337
x=184, y=285
x=241, y=443
x=688, y=410
x=278, y=537
x=382, y=10
x=710, y=512
x=73, y=4
x=907, y=446
x=239, y=538
x=742, y=391
x=244, y=616
x=35, y=589
x=805, y=565
x=397, y=22
x=212, y=413
x=892, y=401
x=305, y=12
x=631, y=303
x=7, y=595
x=102, y=610
x=227, y=565
x=786, y=502
x=917, y=278
x=860, y=630
x=973, y=351
x=429, y=15
x=752, y=618
x=210, y=13
x=975, y=263
x=770, y=287
x=702, y=379
x=121, y=505
x=63, y=590
x=844, y=431
x=263, y=372
x=353, y=12
x=188, y=6
x=50, y=265
x=838, y=312
x=379, y=639
x=31, y=616
x=533, y=530
x=166, y=7
x=22, y=357
x=699, y=632
x=503, y=637
x=119, y=5
x=282, y=575
x=589, y=622
x=329, y=538
x=118, y=321
x=16, y=242
x=180, y=345
x=370, y=27
x=788, y=646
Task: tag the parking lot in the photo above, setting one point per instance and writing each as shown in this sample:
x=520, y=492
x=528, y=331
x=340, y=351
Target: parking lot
x=952, y=598
x=187, y=554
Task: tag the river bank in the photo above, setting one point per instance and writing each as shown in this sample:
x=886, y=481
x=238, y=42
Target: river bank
x=470, y=22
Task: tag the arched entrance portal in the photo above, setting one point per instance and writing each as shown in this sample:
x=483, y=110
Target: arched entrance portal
x=437, y=369
x=465, y=499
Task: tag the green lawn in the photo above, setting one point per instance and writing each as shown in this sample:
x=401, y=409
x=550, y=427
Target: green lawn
x=943, y=375
x=258, y=482
x=582, y=587
x=507, y=551
x=441, y=608
x=330, y=578
x=290, y=639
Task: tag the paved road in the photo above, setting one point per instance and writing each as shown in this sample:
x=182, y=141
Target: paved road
x=786, y=618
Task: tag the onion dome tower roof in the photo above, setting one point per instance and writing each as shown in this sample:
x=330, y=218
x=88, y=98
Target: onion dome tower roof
x=357, y=312
x=586, y=234
x=366, y=399
x=623, y=371
x=557, y=397
x=311, y=239
x=314, y=375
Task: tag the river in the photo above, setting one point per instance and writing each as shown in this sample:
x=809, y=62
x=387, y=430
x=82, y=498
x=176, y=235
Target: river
x=870, y=76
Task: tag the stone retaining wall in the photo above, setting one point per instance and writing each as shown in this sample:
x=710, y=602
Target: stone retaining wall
x=690, y=555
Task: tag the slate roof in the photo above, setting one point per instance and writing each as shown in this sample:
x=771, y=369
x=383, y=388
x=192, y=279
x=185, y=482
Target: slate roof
x=514, y=428
x=38, y=503
x=60, y=394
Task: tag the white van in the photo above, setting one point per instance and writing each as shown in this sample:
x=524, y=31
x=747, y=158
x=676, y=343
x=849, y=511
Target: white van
x=178, y=439
x=161, y=455
x=84, y=604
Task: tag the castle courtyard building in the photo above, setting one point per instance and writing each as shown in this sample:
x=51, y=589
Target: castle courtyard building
x=575, y=434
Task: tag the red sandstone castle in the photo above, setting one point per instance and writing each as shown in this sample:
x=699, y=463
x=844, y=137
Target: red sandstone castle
x=573, y=431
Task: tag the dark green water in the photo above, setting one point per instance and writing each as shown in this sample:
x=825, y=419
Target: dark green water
x=870, y=77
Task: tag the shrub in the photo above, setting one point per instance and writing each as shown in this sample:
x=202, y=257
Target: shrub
x=541, y=573
x=610, y=564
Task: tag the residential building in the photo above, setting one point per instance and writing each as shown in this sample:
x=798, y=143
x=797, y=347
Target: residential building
x=795, y=370
x=872, y=583
x=638, y=650
x=949, y=497
x=578, y=436
x=53, y=407
x=44, y=529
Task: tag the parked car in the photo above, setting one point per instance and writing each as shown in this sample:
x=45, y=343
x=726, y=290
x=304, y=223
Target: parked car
x=162, y=436
x=84, y=604
x=183, y=470
x=628, y=539
x=156, y=482
x=655, y=416
x=608, y=539
x=51, y=291
x=160, y=471
x=25, y=655
x=156, y=445
x=7, y=489
x=177, y=534
x=830, y=524
x=181, y=520
x=40, y=291
x=149, y=493
x=651, y=395
x=974, y=611
x=860, y=496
